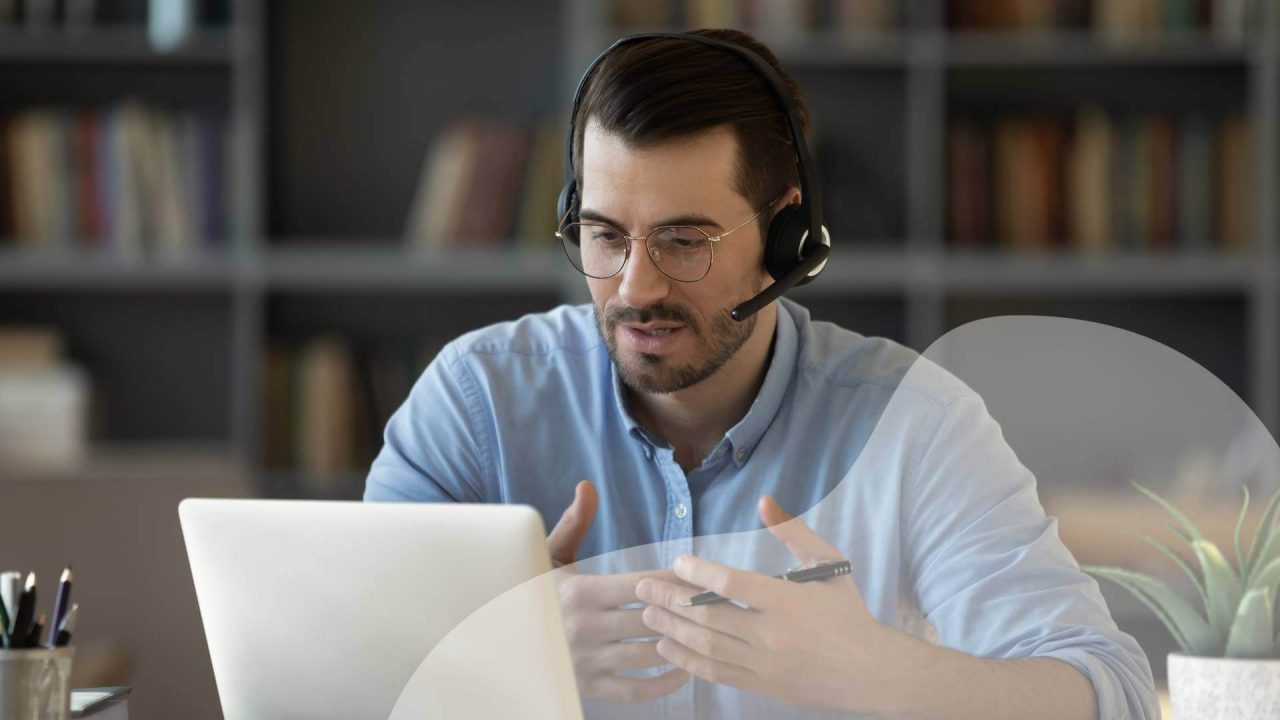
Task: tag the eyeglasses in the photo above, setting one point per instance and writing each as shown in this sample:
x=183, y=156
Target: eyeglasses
x=683, y=253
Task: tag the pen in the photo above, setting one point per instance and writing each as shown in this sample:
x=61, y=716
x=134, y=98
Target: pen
x=68, y=626
x=25, y=614
x=821, y=571
x=60, y=605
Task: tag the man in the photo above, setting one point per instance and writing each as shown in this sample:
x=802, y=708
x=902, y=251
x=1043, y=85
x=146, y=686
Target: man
x=691, y=425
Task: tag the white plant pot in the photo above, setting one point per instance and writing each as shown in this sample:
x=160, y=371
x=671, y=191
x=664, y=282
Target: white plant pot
x=1210, y=688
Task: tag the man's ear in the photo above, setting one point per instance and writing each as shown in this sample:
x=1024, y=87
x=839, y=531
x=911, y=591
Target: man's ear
x=790, y=197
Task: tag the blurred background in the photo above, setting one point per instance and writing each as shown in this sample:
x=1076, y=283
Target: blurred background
x=232, y=233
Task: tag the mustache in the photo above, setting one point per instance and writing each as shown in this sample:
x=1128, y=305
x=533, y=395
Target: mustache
x=653, y=313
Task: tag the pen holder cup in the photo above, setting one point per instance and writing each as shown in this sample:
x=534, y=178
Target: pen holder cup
x=35, y=683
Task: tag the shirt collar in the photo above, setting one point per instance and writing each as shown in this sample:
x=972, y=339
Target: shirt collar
x=743, y=437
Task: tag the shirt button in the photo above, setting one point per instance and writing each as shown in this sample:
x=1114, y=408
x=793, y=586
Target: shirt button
x=681, y=511
x=741, y=455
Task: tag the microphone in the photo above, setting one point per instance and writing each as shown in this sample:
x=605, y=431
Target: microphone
x=812, y=260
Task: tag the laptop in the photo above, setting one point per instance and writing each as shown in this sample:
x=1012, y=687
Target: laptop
x=322, y=609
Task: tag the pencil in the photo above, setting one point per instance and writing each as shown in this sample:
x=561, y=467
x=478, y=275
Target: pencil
x=60, y=604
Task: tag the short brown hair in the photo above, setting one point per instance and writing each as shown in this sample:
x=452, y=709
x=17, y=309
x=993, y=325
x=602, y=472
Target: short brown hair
x=658, y=90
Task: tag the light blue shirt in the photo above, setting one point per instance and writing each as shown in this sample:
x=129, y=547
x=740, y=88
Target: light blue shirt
x=893, y=460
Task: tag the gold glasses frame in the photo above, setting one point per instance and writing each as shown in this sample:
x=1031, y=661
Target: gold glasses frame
x=713, y=239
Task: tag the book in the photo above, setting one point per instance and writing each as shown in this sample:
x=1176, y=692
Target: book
x=1234, y=180
x=1089, y=190
x=857, y=18
x=536, y=221
x=712, y=13
x=43, y=415
x=1162, y=141
x=1195, y=183
x=968, y=199
x=325, y=412
x=442, y=186
x=30, y=346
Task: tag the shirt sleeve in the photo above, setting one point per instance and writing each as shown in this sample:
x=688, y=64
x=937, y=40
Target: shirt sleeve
x=991, y=573
x=430, y=451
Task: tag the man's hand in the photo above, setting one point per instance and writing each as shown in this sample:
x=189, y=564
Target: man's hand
x=593, y=622
x=811, y=644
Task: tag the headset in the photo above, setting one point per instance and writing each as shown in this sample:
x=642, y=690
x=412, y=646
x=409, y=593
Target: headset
x=791, y=254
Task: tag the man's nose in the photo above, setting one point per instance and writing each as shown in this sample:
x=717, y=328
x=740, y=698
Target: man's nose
x=642, y=282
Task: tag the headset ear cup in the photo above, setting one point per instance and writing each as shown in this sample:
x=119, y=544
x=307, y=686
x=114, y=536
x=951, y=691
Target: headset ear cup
x=782, y=247
x=567, y=201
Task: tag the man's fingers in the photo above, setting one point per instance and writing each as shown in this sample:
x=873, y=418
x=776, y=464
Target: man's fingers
x=628, y=656
x=806, y=545
x=567, y=535
x=632, y=689
x=699, y=665
x=699, y=638
x=756, y=590
x=586, y=629
x=601, y=592
x=721, y=617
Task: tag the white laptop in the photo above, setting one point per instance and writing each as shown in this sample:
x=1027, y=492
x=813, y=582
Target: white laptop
x=353, y=610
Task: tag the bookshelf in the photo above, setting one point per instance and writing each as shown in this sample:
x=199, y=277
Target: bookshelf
x=329, y=142
x=334, y=108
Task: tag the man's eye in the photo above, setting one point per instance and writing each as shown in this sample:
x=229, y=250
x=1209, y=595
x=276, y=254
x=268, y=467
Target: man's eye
x=604, y=235
x=681, y=239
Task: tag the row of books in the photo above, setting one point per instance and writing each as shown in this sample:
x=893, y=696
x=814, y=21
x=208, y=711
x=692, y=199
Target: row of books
x=123, y=179
x=1101, y=182
x=485, y=181
x=78, y=14
x=1226, y=20
x=769, y=20
x=327, y=401
x=784, y=20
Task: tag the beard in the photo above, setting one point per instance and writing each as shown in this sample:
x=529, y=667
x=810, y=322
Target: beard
x=713, y=346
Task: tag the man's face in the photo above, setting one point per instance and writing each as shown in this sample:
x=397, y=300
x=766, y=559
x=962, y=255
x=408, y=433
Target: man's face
x=665, y=335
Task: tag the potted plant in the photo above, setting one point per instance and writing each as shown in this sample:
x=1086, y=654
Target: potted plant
x=1229, y=666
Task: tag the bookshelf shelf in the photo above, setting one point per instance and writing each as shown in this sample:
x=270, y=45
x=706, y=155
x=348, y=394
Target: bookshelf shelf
x=891, y=95
x=111, y=46
x=1127, y=274
x=1087, y=50
x=394, y=268
x=31, y=270
x=385, y=267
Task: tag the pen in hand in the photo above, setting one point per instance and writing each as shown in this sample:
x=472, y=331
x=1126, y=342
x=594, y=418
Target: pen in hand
x=821, y=571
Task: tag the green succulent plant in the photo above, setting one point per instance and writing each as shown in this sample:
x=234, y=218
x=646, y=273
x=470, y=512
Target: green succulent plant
x=1238, y=602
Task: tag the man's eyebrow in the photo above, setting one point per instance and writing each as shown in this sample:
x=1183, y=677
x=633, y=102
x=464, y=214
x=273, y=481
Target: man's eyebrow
x=693, y=219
